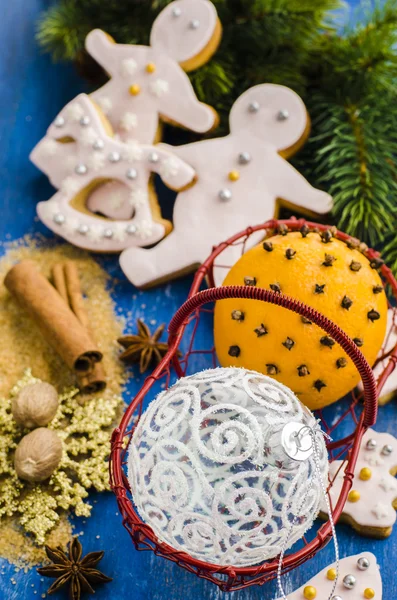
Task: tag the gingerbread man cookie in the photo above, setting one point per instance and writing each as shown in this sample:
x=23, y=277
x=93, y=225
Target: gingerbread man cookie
x=359, y=578
x=389, y=389
x=240, y=179
x=372, y=502
x=83, y=170
x=149, y=82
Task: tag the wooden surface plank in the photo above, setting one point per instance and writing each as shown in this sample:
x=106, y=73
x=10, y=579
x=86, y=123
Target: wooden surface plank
x=33, y=91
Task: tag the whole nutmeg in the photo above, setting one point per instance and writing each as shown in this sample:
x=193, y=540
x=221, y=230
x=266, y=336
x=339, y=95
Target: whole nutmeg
x=35, y=405
x=38, y=454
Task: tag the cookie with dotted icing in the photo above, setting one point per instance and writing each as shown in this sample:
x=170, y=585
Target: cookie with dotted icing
x=372, y=502
x=89, y=167
x=359, y=579
x=324, y=273
x=148, y=83
x=389, y=389
x=241, y=178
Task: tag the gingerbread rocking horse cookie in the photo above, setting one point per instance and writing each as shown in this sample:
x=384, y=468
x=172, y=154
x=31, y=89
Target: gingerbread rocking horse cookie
x=239, y=180
x=83, y=160
x=150, y=82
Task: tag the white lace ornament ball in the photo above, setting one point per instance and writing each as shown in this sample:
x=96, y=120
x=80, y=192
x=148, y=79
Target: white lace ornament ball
x=216, y=471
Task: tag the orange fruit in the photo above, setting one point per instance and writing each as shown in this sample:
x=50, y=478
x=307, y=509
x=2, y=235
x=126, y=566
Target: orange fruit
x=325, y=274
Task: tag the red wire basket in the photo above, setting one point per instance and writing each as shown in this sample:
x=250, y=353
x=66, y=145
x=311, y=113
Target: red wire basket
x=184, y=333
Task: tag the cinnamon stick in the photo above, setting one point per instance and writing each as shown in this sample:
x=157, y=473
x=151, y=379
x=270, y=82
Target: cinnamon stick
x=59, y=281
x=74, y=293
x=67, y=282
x=57, y=323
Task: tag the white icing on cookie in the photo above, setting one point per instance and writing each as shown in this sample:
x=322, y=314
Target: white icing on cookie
x=375, y=507
x=367, y=579
x=240, y=178
x=149, y=81
x=103, y=174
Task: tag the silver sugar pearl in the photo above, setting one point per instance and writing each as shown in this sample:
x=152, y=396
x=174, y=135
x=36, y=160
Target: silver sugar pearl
x=131, y=174
x=59, y=122
x=253, y=107
x=84, y=121
x=131, y=229
x=153, y=157
x=83, y=229
x=363, y=563
x=282, y=115
x=176, y=11
x=58, y=218
x=225, y=195
x=98, y=144
x=336, y=598
x=108, y=234
x=194, y=24
x=387, y=450
x=349, y=581
x=244, y=158
x=114, y=157
x=81, y=169
x=371, y=444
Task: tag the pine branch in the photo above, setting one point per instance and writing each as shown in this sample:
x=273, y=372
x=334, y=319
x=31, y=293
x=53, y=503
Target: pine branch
x=354, y=157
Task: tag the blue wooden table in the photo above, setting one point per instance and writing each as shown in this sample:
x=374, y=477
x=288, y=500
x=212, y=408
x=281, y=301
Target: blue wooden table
x=32, y=92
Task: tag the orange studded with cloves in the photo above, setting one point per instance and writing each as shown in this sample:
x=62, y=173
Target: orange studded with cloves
x=317, y=270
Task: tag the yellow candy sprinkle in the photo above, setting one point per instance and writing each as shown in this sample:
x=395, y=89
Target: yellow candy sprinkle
x=309, y=592
x=150, y=67
x=354, y=496
x=369, y=593
x=234, y=175
x=365, y=474
x=331, y=574
x=134, y=89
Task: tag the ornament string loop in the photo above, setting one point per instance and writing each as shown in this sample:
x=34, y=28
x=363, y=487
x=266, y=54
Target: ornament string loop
x=311, y=432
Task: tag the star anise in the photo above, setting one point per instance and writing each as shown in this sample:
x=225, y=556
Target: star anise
x=144, y=347
x=72, y=570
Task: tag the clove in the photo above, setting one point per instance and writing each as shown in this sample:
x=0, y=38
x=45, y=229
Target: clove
x=326, y=340
x=341, y=363
x=261, y=330
x=289, y=343
x=328, y=260
x=355, y=266
x=275, y=287
x=303, y=371
x=238, y=315
x=234, y=351
x=346, y=302
x=319, y=385
x=268, y=246
x=250, y=280
x=319, y=289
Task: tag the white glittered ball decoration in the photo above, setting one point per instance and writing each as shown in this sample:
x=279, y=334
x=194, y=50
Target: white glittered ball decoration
x=215, y=470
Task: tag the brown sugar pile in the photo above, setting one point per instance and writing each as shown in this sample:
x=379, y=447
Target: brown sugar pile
x=21, y=550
